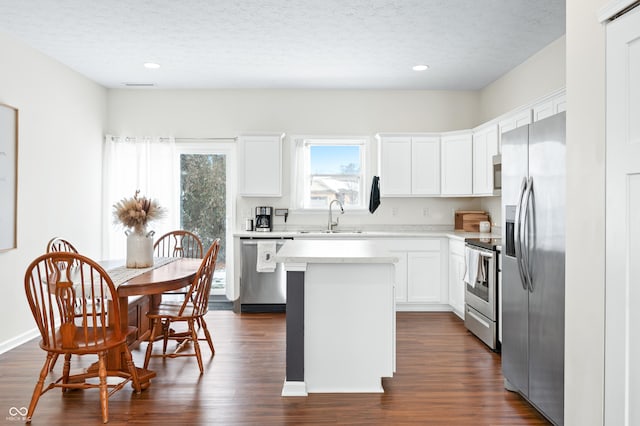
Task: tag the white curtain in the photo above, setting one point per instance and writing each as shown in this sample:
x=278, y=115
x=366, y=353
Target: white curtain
x=145, y=163
x=299, y=179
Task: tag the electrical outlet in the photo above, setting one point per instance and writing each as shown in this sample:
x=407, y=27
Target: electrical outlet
x=394, y=211
x=425, y=211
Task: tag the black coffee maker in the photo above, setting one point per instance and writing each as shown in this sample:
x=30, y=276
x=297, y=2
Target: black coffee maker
x=264, y=218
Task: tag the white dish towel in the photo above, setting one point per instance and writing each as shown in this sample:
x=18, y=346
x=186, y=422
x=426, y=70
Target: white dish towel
x=266, y=256
x=474, y=271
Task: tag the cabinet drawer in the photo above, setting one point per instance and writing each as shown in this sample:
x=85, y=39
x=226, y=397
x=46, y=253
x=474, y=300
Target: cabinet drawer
x=410, y=244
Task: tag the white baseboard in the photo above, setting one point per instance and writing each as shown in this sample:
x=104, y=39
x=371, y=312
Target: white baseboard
x=423, y=307
x=7, y=345
x=294, y=389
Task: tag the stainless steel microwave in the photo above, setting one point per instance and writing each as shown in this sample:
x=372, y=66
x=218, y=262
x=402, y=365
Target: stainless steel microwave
x=497, y=174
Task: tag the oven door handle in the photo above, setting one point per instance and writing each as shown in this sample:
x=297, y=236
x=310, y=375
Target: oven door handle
x=517, y=237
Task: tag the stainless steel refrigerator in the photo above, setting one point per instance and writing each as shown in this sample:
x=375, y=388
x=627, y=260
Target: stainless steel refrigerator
x=533, y=263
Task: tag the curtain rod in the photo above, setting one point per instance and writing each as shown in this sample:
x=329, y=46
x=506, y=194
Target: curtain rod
x=127, y=138
x=205, y=139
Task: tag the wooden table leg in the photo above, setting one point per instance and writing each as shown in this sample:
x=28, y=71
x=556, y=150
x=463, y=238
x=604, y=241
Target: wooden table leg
x=115, y=357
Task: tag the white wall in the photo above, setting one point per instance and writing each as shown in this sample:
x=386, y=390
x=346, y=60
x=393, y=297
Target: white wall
x=585, y=239
x=61, y=120
x=228, y=113
x=536, y=77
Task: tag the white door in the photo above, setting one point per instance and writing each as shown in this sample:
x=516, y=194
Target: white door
x=622, y=332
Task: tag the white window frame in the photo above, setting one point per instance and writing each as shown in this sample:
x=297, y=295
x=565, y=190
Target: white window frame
x=301, y=162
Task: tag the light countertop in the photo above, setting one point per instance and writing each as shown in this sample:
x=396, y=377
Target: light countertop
x=334, y=251
x=368, y=234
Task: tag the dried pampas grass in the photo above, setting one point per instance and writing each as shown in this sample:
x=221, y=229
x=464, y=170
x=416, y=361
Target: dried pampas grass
x=136, y=212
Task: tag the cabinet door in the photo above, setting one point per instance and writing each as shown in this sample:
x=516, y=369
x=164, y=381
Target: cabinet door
x=425, y=165
x=261, y=174
x=550, y=107
x=457, y=164
x=401, y=276
x=395, y=170
x=424, y=277
x=485, y=146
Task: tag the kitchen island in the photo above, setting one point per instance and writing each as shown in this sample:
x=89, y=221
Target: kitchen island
x=340, y=316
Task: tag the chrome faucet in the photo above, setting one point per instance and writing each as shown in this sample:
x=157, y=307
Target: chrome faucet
x=331, y=223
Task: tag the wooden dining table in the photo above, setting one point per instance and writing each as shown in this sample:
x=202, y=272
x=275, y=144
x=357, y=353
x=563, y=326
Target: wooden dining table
x=149, y=287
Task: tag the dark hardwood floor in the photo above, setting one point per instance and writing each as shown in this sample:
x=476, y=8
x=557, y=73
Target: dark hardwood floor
x=445, y=376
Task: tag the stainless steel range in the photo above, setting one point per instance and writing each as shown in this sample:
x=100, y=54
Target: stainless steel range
x=481, y=289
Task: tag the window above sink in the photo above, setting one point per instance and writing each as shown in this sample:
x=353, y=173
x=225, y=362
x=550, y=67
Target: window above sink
x=327, y=169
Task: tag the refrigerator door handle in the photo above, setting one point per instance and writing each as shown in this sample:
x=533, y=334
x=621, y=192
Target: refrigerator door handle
x=525, y=232
x=517, y=234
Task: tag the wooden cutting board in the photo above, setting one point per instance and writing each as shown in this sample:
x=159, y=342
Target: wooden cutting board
x=471, y=221
x=460, y=215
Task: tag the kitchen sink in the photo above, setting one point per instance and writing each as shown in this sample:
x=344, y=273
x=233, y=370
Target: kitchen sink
x=326, y=231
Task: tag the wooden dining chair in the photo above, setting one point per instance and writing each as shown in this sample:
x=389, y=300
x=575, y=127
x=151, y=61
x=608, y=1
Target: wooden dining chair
x=191, y=311
x=58, y=244
x=178, y=243
x=63, y=289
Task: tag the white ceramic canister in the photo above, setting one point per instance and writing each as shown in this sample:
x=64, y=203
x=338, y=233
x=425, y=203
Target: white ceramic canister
x=139, y=249
x=485, y=226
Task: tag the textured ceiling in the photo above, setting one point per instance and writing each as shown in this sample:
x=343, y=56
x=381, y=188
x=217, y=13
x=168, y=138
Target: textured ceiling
x=323, y=44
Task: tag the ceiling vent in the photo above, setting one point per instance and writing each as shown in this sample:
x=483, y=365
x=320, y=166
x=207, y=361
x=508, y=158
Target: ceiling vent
x=139, y=84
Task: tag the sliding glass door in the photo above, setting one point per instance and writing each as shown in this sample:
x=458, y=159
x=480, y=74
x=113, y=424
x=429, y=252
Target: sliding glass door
x=206, y=194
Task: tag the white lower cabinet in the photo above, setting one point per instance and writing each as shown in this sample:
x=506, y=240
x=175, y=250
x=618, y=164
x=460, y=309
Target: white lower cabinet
x=401, y=275
x=424, y=277
x=421, y=272
x=456, y=276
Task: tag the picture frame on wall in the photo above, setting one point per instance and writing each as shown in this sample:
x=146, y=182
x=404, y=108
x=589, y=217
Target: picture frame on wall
x=8, y=177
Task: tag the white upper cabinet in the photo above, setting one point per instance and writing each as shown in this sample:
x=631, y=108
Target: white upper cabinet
x=409, y=165
x=425, y=165
x=548, y=107
x=457, y=163
x=453, y=164
x=261, y=165
x=395, y=165
x=485, y=146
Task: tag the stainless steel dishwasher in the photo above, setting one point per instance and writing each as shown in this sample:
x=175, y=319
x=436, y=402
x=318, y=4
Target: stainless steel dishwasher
x=261, y=291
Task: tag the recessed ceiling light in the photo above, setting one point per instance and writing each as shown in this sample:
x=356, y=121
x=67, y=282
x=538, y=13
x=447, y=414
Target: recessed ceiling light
x=151, y=65
x=420, y=67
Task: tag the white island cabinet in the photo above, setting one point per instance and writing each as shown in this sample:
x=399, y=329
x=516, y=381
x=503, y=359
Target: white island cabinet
x=340, y=316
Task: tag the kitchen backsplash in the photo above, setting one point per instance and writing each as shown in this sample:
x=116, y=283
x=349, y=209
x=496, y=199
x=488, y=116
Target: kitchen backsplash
x=396, y=212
